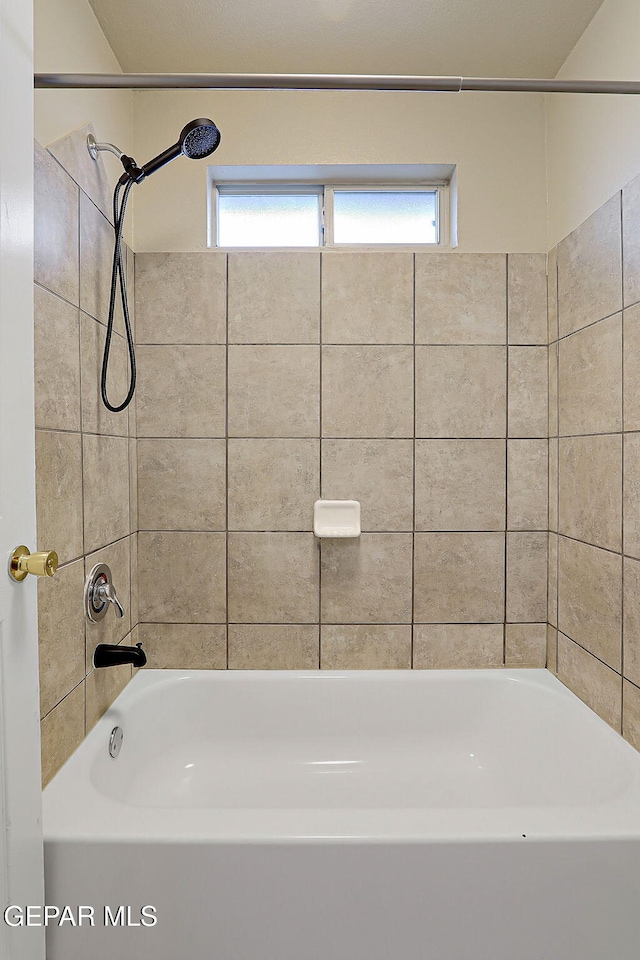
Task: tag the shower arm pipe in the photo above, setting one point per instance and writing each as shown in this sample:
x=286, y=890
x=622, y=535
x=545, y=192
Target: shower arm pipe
x=274, y=81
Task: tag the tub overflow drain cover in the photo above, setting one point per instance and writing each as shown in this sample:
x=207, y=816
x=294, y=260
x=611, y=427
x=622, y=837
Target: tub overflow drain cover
x=115, y=741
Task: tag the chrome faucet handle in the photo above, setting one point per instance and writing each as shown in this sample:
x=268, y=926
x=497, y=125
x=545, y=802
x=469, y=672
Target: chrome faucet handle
x=106, y=591
x=99, y=593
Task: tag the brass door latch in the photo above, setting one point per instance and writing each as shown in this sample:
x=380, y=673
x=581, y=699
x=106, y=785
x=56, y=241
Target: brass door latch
x=23, y=562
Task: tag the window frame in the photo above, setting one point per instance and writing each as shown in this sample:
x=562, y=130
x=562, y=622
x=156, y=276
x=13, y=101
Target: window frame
x=325, y=191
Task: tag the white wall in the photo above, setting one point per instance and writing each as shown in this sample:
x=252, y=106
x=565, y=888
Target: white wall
x=594, y=141
x=68, y=39
x=497, y=140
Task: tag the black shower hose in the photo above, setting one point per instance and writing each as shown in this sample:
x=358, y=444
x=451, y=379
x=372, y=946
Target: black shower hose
x=118, y=273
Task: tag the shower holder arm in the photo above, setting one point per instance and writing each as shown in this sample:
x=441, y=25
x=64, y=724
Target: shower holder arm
x=95, y=148
x=131, y=169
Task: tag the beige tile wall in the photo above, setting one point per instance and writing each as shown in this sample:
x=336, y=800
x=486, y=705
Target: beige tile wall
x=594, y=447
x=416, y=384
x=85, y=456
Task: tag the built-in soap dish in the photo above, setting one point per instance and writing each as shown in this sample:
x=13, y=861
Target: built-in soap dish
x=336, y=518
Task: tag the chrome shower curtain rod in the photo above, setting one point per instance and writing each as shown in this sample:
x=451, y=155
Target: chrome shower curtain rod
x=291, y=81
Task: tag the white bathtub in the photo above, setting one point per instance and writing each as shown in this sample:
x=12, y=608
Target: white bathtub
x=480, y=815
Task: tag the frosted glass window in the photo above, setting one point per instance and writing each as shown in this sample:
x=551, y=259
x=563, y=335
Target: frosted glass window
x=268, y=220
x=385, y=217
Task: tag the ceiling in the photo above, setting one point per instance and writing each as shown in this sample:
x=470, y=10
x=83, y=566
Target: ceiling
x=517, y=38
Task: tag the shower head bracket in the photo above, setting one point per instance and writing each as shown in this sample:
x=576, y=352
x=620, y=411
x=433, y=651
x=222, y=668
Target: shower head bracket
x=95, y=148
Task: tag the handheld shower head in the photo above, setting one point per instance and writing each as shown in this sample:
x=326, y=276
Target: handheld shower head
x=197, y=140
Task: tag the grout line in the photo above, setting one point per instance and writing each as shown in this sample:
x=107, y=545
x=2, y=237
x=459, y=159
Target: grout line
x=320, y=443
x=587, y=543
x=413, y=538
x=350, y=439
x=365, y=533
x=506, y=469
x=62, y=699
x=327, y=343
x=622, y=467
x=591, y=654
x=556, y=492
x=588, y=326
x=226, y=455
x=332, y=343
x=88, y=433
x=336, y=623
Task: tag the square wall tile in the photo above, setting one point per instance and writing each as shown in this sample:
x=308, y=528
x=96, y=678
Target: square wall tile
x=528, y=392
x=527, y=577
x=274, y=297
x=596, y=684
x=131, y=412
x=461, y=298
x=135, y=597
x=61, y=626
x=552, y=649
x=269, y=646
x=590, y=599
x=366, y=647
x=367, y=580
x=112, y=629
x=460, y=484
x=101, y=689
x=273, y=484
x=192, y=569
x=377, y=473
x=133, y=485
x=273, y=578
x=552, y=594
x=181, y=297
x=59, y=493
x=553, y=390
x=590, y=269
x=527, y=484
x=631, y=621
x=591, y=490
x=631, y=368
x=631, y=713
x=459, y=577
x=71, y=153
x=182, y=484
x=274, y=391
x=451, y=646
x=367, y=297
x=552, y=295
x=554, y=447
x=631, y=240
x=61, y=732
x=57, y=362
x=96, y=263
x=528, y=298
x=367, y=392
x=590, y=379
x=461, y=392
x=631, y=494
x=106, y=490
x=181, y=391
x=95, y=416
x=184, y=646
x=525, y=645
x=56, y=252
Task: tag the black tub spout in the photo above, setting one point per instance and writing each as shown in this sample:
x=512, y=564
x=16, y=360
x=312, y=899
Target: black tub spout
x=112, y=654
